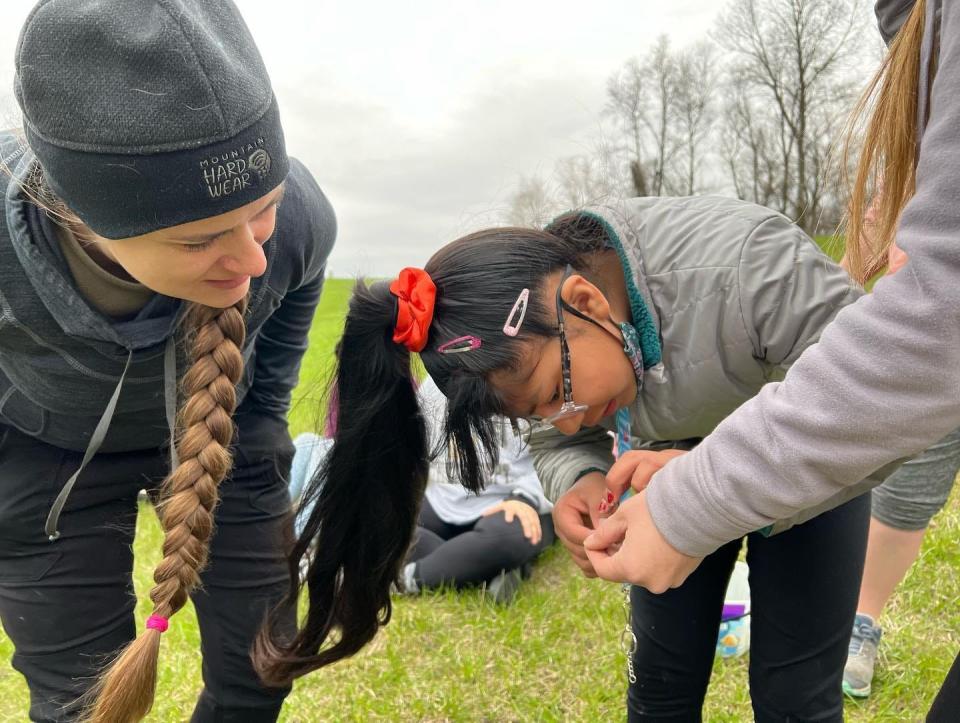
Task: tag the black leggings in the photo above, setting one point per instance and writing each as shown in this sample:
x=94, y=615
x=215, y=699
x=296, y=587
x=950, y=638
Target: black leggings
x=68, y=605
x=464, y=555
x=804, y=585
x=948, y=699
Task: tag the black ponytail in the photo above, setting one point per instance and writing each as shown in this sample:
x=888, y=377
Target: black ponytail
x=367, y=493
x=365, y=498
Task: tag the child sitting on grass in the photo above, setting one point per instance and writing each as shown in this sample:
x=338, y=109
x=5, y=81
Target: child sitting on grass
x=463, y=538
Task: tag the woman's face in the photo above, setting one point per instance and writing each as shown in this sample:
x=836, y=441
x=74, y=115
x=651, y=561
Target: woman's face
x=601, y=375
x=210, y=261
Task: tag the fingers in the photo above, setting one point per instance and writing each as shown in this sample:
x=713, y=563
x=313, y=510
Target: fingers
x=634, y=469
x=604, y=548
x=611, y=532
x=606, y=566
x=579, y=557
x=492, y=510
x=571, y=529
x=537, y=529
x=531, y=525
x=524, y=519
x=642, y=474
x=569, y=522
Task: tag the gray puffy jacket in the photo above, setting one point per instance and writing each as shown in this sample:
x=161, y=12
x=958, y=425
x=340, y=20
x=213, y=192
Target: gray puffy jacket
x=737, y=292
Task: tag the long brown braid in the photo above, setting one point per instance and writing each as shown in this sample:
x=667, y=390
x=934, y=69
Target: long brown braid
x=126, y=689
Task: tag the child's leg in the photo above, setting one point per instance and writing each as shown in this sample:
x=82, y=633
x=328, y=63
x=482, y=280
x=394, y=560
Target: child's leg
x=430, y=520
x=803, y=585
x=676, y=639
x=425, y=542
x=902, y=507
x=66, y=605
x=478, y=554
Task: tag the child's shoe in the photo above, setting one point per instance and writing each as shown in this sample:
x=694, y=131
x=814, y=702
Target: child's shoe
x=504, y=587
x=861, y=656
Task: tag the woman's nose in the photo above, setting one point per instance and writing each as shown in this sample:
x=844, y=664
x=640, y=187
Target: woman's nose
x=246, y=256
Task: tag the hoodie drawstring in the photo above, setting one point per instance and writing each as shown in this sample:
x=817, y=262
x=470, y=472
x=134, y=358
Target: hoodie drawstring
x=103, y=426
x=96, y=440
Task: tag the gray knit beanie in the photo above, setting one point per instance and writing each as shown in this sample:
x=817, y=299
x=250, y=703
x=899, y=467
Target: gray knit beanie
x=148, y=113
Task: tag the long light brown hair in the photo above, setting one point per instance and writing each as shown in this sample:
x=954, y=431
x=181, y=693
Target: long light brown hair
x=205, y=430
x=888, y=152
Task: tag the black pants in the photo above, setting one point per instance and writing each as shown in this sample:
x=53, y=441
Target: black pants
x=804, y=585
x=947, y=703
x=68, y=605
x=463, y=555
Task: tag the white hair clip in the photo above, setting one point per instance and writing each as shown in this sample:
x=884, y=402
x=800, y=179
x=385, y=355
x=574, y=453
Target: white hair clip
x=515, y=317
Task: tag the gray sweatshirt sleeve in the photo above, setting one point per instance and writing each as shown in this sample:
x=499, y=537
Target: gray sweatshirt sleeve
x=560, y=460
x=883, y=382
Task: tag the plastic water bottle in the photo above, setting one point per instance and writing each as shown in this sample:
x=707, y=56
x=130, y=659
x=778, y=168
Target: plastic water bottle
x=733, y=638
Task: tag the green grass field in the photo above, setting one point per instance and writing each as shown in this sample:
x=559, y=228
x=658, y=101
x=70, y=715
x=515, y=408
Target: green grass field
x=552, y=656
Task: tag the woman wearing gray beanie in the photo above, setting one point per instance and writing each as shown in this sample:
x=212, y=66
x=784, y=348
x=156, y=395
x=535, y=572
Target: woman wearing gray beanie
x=152, y=289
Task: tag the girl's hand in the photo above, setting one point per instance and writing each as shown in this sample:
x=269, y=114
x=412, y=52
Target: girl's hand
x=576, y=515
x=634, y=469
x=628, y=547
x=528, y=517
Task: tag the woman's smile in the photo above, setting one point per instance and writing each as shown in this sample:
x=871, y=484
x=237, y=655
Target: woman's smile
x=229, y=283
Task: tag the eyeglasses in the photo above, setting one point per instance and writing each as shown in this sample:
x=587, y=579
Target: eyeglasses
x=569, y=408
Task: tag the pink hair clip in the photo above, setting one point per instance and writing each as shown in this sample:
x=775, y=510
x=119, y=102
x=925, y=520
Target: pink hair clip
x=460, y=344
x=512, y=328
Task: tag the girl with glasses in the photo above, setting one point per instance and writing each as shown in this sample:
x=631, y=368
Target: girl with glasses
x=648, y=318
x=884, y=382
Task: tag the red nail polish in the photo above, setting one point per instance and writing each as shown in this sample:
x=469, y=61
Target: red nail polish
x=609, y=497
x=603, y=506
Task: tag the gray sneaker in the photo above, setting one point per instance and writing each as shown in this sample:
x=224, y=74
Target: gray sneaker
x=861, y=656
x=503, y=588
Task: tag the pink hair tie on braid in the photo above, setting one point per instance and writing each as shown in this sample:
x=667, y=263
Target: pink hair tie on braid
x=158, y=623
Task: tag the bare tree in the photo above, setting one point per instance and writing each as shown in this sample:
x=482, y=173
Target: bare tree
x=750, y=146
x=796, y=56
x=575, y=182
x=626, y=94
x=695, y=84
x=662, y=104
x=588, y=178
x=531, y=205
x=661, y=67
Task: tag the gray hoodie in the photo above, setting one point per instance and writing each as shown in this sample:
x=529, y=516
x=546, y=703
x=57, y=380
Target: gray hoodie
x=882, y=384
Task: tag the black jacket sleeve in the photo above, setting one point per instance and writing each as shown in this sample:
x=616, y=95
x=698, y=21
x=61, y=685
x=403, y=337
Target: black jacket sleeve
x=308, y=225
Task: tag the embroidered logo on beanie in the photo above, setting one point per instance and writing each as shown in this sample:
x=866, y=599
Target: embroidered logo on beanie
x=243, y=167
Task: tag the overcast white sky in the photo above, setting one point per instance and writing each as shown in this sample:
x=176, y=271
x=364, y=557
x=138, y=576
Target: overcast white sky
x=418, y=118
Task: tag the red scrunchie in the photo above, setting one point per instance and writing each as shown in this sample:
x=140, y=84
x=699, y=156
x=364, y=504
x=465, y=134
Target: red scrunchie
x=416, y=294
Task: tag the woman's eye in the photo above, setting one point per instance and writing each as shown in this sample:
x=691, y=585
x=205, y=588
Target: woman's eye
x=555, y=397
x=198, y=247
